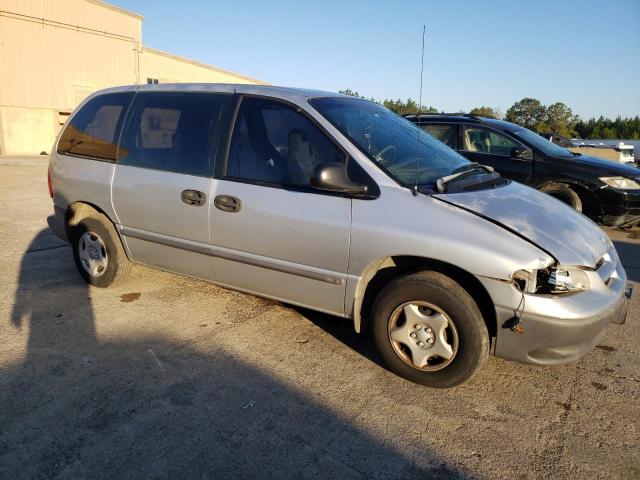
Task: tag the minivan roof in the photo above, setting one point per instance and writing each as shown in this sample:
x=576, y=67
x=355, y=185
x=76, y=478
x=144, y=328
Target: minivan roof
x=287, y=93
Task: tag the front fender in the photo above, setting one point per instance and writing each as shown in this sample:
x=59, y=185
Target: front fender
x=400, y=224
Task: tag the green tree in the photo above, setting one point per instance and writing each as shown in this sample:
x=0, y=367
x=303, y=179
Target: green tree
x=405, y=108
x=620, y=128
x=349, y=92
x=354, y=93
x=398, y=106
x=485, y=112
x=607, y=133
x=560, y=119
x=528, y=112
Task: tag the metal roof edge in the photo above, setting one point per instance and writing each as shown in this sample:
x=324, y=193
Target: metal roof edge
x=116, y=8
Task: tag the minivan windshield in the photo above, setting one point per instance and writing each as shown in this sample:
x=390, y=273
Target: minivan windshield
x=393, y=142
x=547, y=147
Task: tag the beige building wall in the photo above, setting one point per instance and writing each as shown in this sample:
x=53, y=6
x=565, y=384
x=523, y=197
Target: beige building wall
x=54, y=53
x=168, y=68
x=95, y=14
x=26, y=131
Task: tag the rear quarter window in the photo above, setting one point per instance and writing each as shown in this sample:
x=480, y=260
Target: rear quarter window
x=94, y=130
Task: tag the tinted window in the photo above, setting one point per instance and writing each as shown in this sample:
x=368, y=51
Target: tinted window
x=94, y=130
x=173, y=132
x=443, y=132
x=484, y=140
x=541, y=143
x=273, y=143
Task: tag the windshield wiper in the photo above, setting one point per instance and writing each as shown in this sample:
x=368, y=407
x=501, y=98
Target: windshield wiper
x=467, y=167
x=441, y=183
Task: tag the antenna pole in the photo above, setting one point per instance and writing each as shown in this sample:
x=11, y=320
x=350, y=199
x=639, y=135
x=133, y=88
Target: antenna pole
x=415, y=186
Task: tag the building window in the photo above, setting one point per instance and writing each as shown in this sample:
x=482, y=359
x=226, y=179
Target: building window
x=63, y=117
x=152, y=81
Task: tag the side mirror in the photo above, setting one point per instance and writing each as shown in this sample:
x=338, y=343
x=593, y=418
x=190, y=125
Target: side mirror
x=519, y=152
x=333, y=178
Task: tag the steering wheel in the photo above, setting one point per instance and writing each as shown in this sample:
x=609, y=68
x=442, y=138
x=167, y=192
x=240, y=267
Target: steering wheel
x=380, y=156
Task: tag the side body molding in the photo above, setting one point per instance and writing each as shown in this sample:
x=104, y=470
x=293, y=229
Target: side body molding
x=236, y=256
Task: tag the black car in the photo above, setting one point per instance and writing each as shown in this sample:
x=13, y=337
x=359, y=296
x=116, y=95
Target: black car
x=606, y=191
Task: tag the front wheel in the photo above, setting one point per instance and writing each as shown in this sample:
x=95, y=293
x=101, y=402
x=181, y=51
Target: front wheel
x=429, y=330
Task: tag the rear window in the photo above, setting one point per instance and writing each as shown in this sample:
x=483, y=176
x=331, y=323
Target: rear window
x=94, y=130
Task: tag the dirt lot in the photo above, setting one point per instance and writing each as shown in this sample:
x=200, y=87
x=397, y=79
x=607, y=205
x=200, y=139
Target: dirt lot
x=169, y=377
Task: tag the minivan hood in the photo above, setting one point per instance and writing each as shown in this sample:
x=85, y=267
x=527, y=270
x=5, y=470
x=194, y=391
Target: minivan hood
x=568, y=236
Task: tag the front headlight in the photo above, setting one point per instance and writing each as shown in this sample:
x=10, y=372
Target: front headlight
x=567, y=279
x=621, y=182
x=557, y=279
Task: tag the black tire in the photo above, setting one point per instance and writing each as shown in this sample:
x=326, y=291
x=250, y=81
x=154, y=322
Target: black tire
x=117, y=266
x=448, y=296
x=565, y=194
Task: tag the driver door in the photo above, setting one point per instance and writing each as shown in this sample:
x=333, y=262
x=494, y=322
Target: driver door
x=271, y=232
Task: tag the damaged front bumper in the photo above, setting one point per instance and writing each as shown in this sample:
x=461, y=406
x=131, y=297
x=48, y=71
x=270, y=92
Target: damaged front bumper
x=561, y=328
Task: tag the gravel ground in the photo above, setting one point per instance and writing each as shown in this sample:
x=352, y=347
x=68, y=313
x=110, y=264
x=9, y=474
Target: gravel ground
x=169, y=377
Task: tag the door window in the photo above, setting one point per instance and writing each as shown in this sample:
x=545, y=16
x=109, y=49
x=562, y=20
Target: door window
x=274, y=144
x=446, y=133
x=93, y=132
x=485, y=140
x=173, y=132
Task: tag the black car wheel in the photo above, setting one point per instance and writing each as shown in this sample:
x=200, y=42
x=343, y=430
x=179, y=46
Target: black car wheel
x=565, y=194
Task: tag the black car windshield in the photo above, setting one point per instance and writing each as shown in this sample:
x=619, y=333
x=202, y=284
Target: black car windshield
x=541, y=143
x=391, y=141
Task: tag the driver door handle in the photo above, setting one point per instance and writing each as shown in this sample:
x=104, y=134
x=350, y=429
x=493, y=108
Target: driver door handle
x=227, y=203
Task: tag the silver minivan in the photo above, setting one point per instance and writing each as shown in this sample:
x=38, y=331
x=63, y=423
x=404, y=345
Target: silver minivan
x=336, y=204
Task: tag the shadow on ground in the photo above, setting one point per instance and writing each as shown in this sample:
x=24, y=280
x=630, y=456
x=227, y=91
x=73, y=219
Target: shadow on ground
x=342, y=330
x=149, y=408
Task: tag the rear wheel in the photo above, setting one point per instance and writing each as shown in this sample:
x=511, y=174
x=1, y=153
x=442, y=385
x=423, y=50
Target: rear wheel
x=565, y=194
x=429, y=330
x=98, y=252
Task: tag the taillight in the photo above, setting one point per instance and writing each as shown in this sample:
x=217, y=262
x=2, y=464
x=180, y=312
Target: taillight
x=49, y=182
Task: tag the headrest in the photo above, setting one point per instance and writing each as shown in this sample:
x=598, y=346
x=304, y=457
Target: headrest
x=298, y=135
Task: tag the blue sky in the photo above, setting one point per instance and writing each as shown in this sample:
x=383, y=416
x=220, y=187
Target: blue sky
x=585, y=53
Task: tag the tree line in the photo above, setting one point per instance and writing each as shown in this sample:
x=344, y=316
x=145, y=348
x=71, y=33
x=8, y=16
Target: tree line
x=556, y=118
